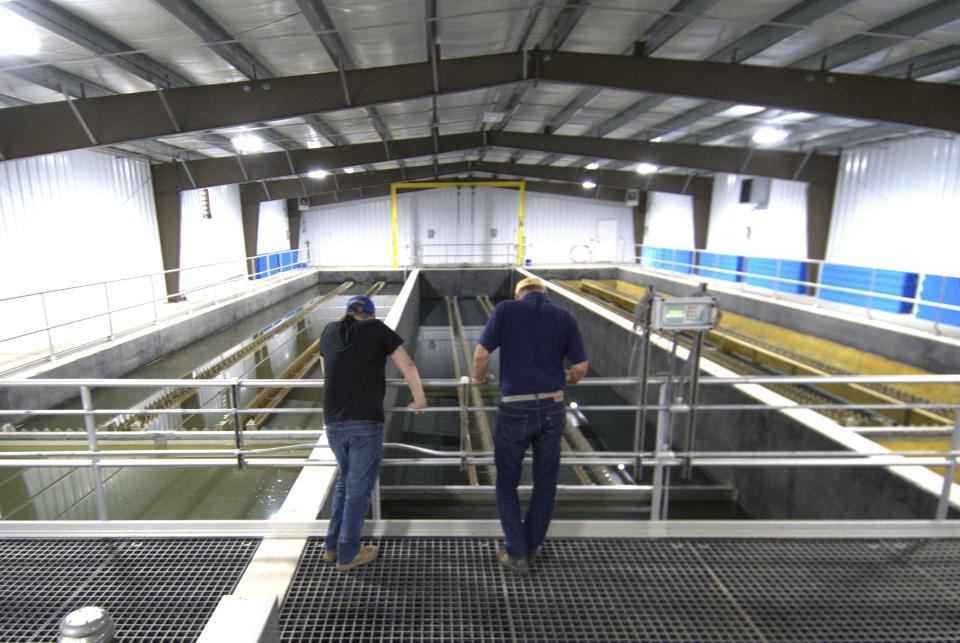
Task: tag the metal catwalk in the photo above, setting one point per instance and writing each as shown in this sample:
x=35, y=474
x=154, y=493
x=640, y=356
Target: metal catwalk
x=634, y=590
x=449, y=588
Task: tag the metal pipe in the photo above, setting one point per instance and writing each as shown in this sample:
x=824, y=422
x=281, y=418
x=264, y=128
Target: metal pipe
x=948, y=476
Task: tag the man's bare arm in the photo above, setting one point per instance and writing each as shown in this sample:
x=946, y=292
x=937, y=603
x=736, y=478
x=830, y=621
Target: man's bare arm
x=480, y=358
x=576, y=372
x=412, y=376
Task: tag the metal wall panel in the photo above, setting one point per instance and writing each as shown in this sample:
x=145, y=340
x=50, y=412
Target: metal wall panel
x=463, y=221
x=211, y=249
x=75, y=218
x=777, y=230
x=896, y=206
x=69, y=219
x=669, y=221
x=273, y=228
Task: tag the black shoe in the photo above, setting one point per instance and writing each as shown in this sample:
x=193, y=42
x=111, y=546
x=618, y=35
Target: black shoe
x=516, y=566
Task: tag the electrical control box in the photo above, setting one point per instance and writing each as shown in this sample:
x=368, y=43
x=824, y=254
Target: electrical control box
x=684, y=313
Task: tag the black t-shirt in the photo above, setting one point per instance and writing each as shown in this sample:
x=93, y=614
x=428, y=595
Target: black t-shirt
x=354, y=356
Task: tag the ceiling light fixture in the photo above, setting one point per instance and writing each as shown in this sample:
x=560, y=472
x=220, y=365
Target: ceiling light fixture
x=769, y=135
x=741, y=110
x=589, y=185
x=646, y=168
x=318, y=174
x=17, y=36
x=592, y=165
x=348, y=170
x=247, y=143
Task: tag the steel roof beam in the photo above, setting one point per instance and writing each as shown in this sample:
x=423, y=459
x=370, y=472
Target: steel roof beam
x=71, y=27
x=51, y=77
x=665, y=28
x=174, y=177
x=42, y=128
x=291, y=188
x=783, y=25
x=931, y=16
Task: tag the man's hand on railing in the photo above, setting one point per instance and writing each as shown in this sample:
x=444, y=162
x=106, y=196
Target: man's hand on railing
x=421, y=404
x=484, y=380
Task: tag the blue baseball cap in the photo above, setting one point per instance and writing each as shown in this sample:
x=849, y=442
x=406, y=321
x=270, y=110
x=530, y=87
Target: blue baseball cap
x=361, y=304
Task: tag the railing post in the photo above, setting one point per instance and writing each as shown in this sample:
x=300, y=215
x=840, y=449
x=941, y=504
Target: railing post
x=873, y=283
x=106, y=296
x=944, y=503
x=153, y=298
x=237, y=426
x=46, y=322
x=91, y=427
x=661, y=447
x=936, y=319
x=776, y=280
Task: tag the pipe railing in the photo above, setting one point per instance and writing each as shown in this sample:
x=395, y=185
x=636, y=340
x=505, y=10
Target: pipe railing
x=444, y=254
x=674, y=265
x=122, y=313
x=661, y=458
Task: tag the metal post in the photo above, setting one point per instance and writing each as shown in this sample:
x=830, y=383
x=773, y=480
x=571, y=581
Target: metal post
x=237, y=427
x=662, y=445
x=464, y=417
x=91, y=427
x=153, y=298
x=873, y=283
x=776, y=280
x=106, y=296
x=46, y=322
x=375, y=501
x=936, y=321
x=944, y=503
x=692, y=397
x=640, y=418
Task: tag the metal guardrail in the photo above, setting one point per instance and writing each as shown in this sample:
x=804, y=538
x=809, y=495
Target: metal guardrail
x=738, y=278
x=661, y=458
x=113, y=308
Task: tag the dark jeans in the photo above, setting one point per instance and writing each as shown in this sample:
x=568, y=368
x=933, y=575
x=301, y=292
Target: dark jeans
x=520, y=424
x=358, y=447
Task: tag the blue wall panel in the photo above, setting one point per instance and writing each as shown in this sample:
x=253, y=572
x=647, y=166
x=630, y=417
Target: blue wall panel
x=760, y=269
x=274, y=262
x=715, y=266
x=668, y=259
x=940, y=289
x=884, y=282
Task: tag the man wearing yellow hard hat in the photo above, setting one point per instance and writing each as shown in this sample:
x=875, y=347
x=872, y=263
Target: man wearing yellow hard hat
x=534, y=337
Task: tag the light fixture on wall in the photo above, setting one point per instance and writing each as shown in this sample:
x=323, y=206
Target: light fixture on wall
x=247, y=143
x=589, y=184
x=646, y=168
x=769, y=135
x=318, y=174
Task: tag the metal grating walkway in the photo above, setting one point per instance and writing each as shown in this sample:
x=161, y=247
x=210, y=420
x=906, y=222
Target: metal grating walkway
x=154, y=590
x=634, y=590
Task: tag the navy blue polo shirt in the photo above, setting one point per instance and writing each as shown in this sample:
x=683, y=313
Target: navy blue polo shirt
x=533, y=336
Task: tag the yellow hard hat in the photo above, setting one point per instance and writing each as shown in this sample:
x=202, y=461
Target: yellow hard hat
x=529, y=282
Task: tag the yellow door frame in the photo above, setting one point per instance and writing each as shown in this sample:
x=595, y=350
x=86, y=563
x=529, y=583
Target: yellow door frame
x=521, y=185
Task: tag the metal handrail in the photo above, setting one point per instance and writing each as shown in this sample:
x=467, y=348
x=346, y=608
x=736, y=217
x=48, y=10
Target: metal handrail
x=658, y=263
x=110, y=312
x=236, y=454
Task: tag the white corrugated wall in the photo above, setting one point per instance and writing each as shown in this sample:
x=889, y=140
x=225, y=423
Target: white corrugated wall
x=669, y=221
x=273, y=228
x=69, y=219
x=468, y=225
x=779, y=230
x=898, y=206
x=211, y=249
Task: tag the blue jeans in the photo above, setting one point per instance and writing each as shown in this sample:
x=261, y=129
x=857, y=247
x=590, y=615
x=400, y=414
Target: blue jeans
x=520, y=424
x=358, y=447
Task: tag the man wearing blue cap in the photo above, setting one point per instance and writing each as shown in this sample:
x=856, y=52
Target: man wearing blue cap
x=353, y=354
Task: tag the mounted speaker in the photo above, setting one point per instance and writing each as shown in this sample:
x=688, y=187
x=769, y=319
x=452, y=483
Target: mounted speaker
x=303, y=204
x=632, y=198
